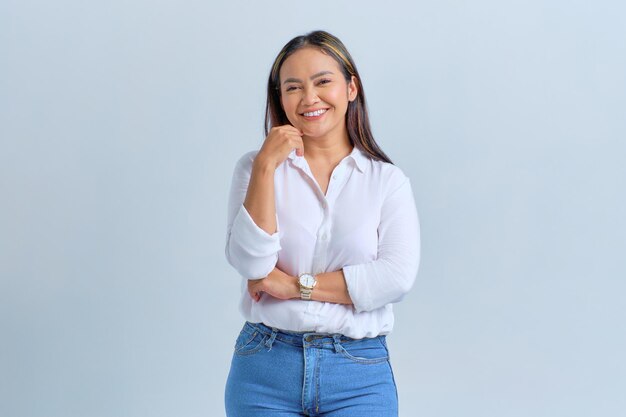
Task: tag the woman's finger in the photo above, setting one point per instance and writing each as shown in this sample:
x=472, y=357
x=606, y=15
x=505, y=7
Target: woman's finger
x=280, y=141
x=251, y=290
x=254, y=290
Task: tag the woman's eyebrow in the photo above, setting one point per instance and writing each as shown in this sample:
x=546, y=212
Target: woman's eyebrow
x=297, y=80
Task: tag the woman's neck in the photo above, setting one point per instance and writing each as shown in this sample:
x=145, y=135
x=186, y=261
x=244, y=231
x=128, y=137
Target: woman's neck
x=320, y=151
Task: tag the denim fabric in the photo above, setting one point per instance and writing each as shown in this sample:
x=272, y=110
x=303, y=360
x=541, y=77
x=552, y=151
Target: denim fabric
x=278, y=373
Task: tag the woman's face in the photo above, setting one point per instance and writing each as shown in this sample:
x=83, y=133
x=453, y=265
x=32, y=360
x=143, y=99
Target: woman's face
x=310, y=80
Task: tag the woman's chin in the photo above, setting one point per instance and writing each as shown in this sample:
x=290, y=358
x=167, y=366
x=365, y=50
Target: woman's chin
x=310, y=134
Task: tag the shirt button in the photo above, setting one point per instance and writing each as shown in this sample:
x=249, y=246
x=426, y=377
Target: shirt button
x=324, y=236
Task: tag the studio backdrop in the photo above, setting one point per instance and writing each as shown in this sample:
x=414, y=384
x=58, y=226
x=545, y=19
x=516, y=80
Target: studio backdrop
x=121, y=122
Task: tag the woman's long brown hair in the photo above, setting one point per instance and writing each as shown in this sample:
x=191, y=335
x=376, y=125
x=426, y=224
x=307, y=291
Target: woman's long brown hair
x=357, y=119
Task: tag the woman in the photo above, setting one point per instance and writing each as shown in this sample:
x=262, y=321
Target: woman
x=324, y=231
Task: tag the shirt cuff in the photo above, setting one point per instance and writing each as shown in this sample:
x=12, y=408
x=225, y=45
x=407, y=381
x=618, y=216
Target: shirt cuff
x=252, y=238
x=359, y=294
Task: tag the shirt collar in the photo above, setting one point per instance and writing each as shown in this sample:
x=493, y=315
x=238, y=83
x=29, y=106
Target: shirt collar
x=357, y=155
x=360, y=159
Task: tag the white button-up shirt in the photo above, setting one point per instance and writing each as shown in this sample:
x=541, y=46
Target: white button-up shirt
x=366, y=224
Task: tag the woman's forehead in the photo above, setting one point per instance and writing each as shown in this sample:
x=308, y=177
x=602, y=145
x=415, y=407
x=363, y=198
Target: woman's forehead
x=308, y=61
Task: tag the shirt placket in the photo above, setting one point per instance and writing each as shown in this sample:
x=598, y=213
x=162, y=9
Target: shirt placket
x=324, y=232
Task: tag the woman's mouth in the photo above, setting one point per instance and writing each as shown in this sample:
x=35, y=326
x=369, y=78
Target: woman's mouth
x=314, y=115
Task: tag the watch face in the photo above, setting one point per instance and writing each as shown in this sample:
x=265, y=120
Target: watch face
x=307, y=280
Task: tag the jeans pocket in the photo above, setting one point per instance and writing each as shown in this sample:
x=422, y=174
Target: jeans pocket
x=249, y=341
x=365, y=351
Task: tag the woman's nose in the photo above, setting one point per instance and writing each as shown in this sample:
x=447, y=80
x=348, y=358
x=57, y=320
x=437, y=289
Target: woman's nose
x=309, y=96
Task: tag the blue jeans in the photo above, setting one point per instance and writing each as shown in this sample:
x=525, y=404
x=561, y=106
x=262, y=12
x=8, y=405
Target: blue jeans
x=277, y=373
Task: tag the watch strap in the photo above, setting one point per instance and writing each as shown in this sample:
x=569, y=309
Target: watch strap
x=305, y=292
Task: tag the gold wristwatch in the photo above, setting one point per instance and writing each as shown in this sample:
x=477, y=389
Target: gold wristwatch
x=307, y=282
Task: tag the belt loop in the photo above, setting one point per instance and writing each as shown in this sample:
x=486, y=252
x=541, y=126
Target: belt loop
x=270, y=341
x=336, y=340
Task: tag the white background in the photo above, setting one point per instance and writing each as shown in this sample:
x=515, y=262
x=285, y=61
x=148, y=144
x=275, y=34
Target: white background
x=121, y=121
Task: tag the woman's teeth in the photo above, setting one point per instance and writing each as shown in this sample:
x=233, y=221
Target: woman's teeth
x=315, y=113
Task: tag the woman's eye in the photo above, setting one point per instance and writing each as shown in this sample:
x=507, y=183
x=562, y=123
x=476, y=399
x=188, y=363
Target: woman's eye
x=293, y=87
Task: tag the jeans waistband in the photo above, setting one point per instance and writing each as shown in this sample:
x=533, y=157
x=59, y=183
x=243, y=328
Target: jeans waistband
x=302, y=338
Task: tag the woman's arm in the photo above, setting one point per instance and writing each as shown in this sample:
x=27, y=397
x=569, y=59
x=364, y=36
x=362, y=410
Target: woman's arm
x=259, y=200
x=331, y=287
x=251, y=250
x=389, y=277
x=252, y=239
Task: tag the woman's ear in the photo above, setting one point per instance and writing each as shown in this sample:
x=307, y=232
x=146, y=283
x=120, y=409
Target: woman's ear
x=353, y=88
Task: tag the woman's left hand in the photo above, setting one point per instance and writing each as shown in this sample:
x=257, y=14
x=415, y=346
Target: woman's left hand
x=277, y=284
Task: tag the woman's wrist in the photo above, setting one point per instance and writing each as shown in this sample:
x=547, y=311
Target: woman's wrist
x=296, y=286
x=262, y=166
x=331, y=287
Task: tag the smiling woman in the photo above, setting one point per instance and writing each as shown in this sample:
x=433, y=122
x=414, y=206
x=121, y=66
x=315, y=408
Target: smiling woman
x=324, y=233
x=317, y=104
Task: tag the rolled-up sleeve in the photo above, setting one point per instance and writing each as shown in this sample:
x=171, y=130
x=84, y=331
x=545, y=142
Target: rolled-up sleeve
x=249, y=249
x=391, y=275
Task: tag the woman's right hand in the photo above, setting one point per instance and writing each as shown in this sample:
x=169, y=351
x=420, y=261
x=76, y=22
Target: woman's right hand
x=278, y=144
